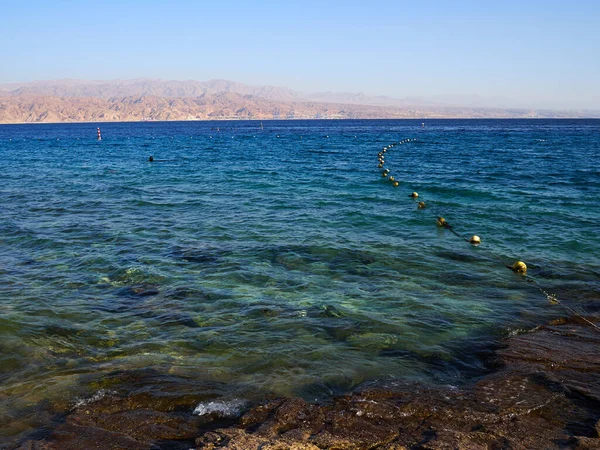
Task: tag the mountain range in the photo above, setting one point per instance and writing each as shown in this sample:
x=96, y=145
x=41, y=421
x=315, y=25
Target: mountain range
x=147, y=99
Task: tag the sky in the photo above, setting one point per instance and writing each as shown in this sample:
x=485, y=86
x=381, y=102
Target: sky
x=531, y=54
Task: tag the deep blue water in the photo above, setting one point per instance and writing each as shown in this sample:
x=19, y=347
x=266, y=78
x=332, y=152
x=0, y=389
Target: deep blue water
x=255, y=263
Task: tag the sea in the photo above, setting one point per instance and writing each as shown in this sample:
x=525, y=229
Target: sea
x=253, y=260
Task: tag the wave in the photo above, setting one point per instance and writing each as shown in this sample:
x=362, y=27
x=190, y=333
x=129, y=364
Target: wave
x=225, y=409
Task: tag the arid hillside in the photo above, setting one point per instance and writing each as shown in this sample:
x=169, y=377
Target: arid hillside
x=139, y=100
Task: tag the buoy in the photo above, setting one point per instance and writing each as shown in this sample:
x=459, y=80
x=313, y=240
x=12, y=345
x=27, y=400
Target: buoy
x=475, y=240
x=396, y=184
x=384, y=174
x=99, y=135
x=380, y=166
x=414, y=195
x=441, y=222
x=422, y=205
x=520, y=267
x=392, y=178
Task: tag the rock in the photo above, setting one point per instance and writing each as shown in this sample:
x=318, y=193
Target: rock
x=543, y=394
x=565, y=353
x=585, y=443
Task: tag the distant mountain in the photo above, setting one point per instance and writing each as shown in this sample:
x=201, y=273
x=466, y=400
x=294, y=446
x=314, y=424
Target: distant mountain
x=145, y=87
x=145, y=99
x=192, y=89
x=224, y=105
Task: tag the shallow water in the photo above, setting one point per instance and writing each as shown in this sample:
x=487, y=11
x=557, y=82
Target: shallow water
x=254, y=263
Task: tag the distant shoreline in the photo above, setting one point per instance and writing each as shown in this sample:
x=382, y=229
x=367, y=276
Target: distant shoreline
x=299, y=120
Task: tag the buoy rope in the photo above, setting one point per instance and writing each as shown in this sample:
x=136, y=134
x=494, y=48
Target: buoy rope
x=518, y=267
x=449, y=227
x=553, y=300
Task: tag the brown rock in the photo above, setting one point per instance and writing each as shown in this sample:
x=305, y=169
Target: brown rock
x=75, y=437
x=585, y=443
x=544, y=396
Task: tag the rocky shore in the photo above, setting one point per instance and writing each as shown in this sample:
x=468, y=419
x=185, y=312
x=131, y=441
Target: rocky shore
x=542, y=392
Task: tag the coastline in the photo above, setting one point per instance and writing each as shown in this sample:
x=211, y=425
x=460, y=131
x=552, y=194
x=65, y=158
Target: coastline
x=327, y=119
x=542, y=391
x=394, y=298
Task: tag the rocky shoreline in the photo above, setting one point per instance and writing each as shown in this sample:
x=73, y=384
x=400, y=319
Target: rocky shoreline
x=544, y=392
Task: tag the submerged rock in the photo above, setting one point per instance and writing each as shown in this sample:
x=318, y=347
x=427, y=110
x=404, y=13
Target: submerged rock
x=544, y=393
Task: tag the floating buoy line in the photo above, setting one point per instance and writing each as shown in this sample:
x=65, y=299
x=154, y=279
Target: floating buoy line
x=518, y=267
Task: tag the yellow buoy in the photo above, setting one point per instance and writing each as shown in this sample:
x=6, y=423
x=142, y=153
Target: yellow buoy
x=441, y=222
x=475, y=240
x=414, y=195
x=380, y=165
x=384, y=174
x=422, y=205
x=520, y=267
x=392, y=178
x=396, y=184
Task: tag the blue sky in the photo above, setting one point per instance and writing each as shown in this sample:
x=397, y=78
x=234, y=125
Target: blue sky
x=526, y=54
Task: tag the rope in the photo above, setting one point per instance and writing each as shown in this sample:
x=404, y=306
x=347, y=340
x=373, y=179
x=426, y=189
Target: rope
x=518, y=267
x=553, y=300
x=448, y=227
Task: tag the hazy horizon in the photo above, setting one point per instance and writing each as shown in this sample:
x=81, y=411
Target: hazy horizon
x=535, y=55
x=457, y=100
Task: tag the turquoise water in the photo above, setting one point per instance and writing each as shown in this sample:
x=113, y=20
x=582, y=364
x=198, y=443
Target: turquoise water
x=248, y=263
